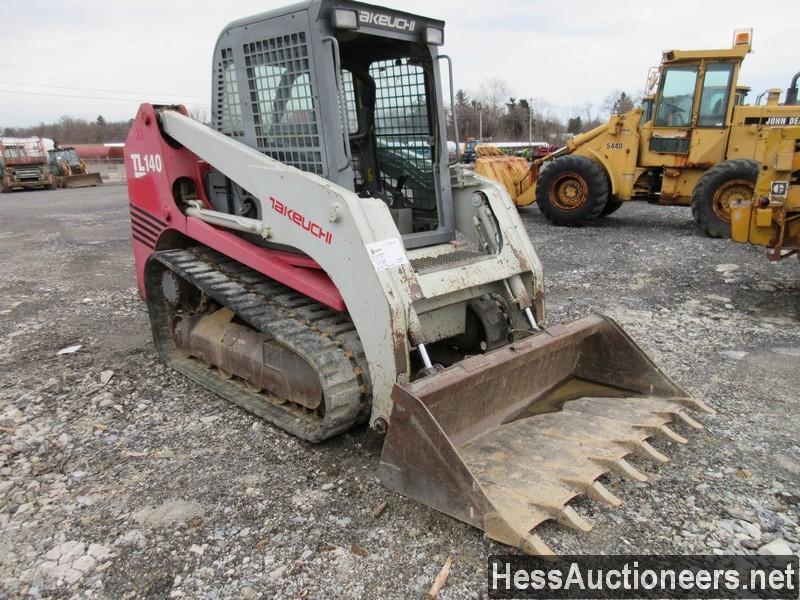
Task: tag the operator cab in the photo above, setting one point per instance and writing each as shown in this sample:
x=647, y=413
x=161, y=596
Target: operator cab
x=391, y=116
x=696, y=90
x=65, y=155
x=347, y=91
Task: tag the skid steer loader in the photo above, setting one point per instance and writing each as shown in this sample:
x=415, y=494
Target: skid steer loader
x=70, y=171
x=316, y=261
x=699, y=147
x=771, y=217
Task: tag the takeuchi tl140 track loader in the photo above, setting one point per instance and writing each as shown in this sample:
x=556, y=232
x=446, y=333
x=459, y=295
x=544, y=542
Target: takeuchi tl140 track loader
x=315, y=259
x=693, y=143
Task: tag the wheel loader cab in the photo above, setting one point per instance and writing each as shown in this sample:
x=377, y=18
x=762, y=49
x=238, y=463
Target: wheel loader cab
x=693, y=107
x=677, y=100
x=347, y=91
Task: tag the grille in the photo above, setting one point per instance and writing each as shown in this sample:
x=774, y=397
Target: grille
x=669, y=145
x=426, y=263
x=282, y=100
x=229, y=108
x=145, y=227
x=27, y=173
x=403, y=130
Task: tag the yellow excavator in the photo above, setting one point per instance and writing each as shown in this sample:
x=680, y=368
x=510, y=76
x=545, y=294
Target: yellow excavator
x=771, y=217
x=699, y=147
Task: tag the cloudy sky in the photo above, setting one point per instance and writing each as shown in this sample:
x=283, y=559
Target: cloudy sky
x=103, y=57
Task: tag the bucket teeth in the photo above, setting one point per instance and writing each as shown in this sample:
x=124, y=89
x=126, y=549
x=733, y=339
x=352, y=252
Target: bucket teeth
x=533, y=544
x=646, y=450
x=569, y=517
x=507, y=440
x=600, y=493
x=694, y=404
x=669, y=434
x=622, y=467
x=693, y=423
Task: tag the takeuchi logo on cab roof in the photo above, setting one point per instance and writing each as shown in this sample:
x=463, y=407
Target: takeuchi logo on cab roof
x=383, y=20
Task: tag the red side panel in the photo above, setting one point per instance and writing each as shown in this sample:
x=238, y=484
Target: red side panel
x=152, y=167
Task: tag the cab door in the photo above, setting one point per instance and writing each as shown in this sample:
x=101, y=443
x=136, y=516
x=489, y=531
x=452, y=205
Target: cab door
x=692, y=116
x=666, y=142
x=713, y=115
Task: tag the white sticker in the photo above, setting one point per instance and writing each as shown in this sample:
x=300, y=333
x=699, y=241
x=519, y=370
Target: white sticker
x=387, y=254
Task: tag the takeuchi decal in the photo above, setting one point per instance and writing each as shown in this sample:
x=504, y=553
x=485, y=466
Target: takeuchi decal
x=368, y=17
x=301, y=221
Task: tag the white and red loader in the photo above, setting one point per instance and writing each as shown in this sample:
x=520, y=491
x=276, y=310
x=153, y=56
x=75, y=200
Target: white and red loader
x=316, y=259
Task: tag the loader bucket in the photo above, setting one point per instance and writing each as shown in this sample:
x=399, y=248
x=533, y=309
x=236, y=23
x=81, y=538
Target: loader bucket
x=83, y=180
x=505, y=440
x=512, y=172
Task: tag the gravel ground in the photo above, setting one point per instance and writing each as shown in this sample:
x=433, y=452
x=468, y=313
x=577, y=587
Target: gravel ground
x=120, y=478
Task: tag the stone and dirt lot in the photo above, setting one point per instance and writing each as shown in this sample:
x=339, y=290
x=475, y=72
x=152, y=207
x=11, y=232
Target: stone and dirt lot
x=119, y=478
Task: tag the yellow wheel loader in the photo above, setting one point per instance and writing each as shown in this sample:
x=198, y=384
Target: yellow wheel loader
x=316, y=259
x=771, y=217
x=698, y=147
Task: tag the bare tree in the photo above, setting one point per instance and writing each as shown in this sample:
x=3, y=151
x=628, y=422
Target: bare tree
x=618, y=102
x=69, y=130
x=492, y=96
x=200, y=114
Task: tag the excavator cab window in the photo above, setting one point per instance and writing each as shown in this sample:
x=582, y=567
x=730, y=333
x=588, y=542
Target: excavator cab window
x=715, y=94
x=677, y=96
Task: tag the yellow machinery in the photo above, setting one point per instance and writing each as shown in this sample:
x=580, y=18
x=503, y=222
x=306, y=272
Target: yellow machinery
x=700, y=148
x=70, y=171
x=772, y=217
x=513, y=172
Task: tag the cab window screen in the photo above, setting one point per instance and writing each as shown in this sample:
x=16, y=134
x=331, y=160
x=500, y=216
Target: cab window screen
x=403, y=131
x=677, y=97
x=714, y=97
x=351, y=108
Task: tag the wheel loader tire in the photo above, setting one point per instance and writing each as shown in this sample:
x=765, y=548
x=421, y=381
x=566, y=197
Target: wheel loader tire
x=572, y=190
x=722, y=184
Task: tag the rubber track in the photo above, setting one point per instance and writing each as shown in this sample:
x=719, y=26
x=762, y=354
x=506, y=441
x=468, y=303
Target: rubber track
x=325, y=338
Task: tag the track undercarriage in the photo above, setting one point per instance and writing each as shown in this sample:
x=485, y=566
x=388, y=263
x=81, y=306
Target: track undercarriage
x=261, y=345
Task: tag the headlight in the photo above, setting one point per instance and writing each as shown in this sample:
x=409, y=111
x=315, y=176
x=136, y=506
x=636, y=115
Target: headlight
x=742, y=37
x=434, y=35
x=344, y=18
